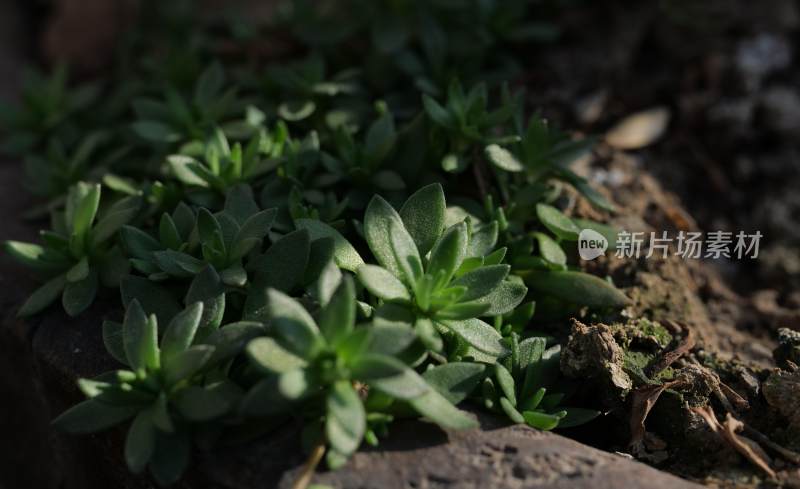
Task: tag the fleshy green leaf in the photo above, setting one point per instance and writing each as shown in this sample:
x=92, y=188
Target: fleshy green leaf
x=92, y=416
x=479, y=335
x=170, y=458
x=113, y=339
x=121, y=213
x=138, y=243
x=155, y=131
x=283, y=265
x=43, y=296
x=530, y=351
x=435, y=407
x=270, y=356
x=338, y=317
x=390, y=376
x=393, y=331
x=346, y=420
x=455, y=380
x=181, y=331
x=577, y=417
x=293, y=325
x=231, y=339
x=202, y=404
x=295, y=384
x=209, y=84
x=504, y=298
x=140, y=442
x=506, y=383
x=34, y=256
x=85, y=211
x=406, y=254
x=382, y=284
x=541, y=420
x=319, y=256
x=428, y=334
x=152, y=297
x=380, y=139
x=503, y=159
x=79, y=295
x=252, y=231
x=448, y=253
x=141, y=338
x=464, y=310
x=182, y=365
x=481, y=281
x=384, y=228
x=327, y=283
x=207, y=287
x=423, y=216
x=345, y=254
x=511, y=411
x=577, y=287
x=550, y=250
x=483, y=239
x=559, y=224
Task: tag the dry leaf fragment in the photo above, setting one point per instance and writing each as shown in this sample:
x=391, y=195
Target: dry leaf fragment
x=640, y=129
x=669, y=357
x=644, y=398
x=745, y=446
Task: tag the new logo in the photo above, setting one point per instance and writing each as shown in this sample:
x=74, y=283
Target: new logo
x=591, y=244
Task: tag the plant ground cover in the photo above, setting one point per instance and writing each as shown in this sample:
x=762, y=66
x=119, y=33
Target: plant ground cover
x=233, y=278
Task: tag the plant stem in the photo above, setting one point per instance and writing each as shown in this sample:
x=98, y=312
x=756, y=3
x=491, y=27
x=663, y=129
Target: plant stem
x=310, y=466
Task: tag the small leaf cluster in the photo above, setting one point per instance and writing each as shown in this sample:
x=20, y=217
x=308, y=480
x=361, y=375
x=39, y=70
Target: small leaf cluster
x=518, y=387
x=80, y=252
x=347, y=367
x=179, y=117
x=437, y=279
x=168, y=388
x=221, y=166
x=187, y=243
x=45, y=112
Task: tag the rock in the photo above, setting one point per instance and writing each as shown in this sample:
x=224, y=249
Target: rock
x=593, y=353
x=788, y=349
x=507, y=457
x=782, y=390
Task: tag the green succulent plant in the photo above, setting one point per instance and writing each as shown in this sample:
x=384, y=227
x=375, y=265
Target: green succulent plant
x=222, y=166
x=305, y=89
x=79, y=253
x=46, y=110
x=52, y=174
x=542, y=152
x=438, y=280
x=359, y=162
x=518, y=387
x=179, y=117
x=340, y=367
x=187, y=243
x=166, y=389
x=466, y=121
x=360, y=296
